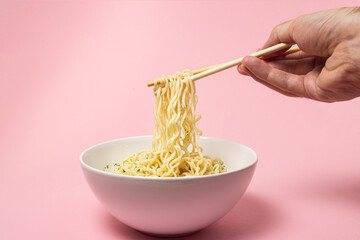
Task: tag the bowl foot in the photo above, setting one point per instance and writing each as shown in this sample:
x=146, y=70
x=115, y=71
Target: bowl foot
x=161, y=235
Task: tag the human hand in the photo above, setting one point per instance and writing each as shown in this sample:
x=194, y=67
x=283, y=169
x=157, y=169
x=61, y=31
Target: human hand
x=328, y=66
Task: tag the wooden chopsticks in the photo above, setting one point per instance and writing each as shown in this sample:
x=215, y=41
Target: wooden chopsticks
x=203, y=72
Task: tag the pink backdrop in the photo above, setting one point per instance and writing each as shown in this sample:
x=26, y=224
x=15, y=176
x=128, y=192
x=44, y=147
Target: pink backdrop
x=73, y=74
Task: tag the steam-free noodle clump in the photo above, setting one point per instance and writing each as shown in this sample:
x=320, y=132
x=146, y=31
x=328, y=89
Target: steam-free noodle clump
x=175, y=147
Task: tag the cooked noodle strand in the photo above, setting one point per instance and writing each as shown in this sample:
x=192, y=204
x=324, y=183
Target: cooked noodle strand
x=175, y=148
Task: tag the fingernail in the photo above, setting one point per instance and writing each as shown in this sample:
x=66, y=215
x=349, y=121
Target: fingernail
x=241, y=69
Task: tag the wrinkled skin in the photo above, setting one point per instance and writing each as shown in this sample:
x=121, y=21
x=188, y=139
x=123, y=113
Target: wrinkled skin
x=326, y=69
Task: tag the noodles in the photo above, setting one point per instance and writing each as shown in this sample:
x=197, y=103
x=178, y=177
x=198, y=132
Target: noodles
x=175, y=146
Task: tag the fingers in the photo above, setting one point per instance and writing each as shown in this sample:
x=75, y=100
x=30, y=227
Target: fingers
x=310, y=85
x=316, y=33
x=329, y=74
x=282, y=33
x=281, y=80
x=295, y=55
x=242, y=70
x=298, y=67
x=247, y=72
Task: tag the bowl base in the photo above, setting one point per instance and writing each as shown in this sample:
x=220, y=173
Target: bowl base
x=161, y=235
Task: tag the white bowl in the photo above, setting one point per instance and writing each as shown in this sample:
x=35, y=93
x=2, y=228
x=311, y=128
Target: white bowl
x=168, y=206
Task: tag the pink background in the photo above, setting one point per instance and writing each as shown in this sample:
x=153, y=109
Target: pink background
x=74, y=73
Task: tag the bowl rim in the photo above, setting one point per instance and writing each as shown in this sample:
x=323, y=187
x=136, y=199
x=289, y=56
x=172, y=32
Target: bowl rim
x=109, y=174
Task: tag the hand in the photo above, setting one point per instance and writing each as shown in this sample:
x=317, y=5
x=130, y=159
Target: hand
x=328, y=66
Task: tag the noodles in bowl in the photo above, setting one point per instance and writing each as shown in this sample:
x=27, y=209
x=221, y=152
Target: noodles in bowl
x=175, y=146
x=168, y=206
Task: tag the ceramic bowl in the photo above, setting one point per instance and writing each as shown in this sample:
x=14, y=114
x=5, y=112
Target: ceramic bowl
x=168, y=206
